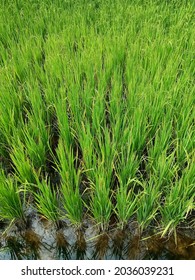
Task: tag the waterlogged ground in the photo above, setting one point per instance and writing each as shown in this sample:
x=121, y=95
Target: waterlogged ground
x=43, y=241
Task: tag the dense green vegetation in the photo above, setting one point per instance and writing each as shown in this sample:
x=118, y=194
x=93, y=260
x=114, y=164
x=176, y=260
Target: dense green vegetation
x=97, y=111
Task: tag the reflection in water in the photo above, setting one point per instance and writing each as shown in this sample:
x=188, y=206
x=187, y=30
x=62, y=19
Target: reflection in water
x=33, y=243
x=40, y=242
x=62, y=245
x=118, y=244
x=80, y=245
x=14, y=248
x=101, y=246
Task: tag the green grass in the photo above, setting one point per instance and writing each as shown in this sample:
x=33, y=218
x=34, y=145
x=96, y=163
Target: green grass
x=99, y=94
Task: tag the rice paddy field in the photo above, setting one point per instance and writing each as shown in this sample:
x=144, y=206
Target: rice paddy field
x=97, y=129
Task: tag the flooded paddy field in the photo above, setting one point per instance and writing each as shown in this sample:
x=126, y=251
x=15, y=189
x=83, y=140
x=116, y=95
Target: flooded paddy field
x=44, y=242
x=97, y=129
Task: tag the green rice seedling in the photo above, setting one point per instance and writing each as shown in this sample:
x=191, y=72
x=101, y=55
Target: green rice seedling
x=87, y=144
x=98, y=110
x=126, y=200
x=185, y=139
x=10, y=116
x=148, y=203
x=63, y=121
x=175, y=209
x=101, y=181
x=179, y=201
x=101, y=206
x=98, y=169
x=35, y=146
x=126, y=205
x=88, y=81
x=98, y=161
x=30, y=146
x=162, y=139
x=163, y=167
x=35, y=132
x=47, y=201
x=139, y=131
x=106, y=152
x=70, y=184
x=24, y=170
x=12, y=200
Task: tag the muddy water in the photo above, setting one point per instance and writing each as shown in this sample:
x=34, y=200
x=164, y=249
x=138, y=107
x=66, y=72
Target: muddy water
x=43, y=241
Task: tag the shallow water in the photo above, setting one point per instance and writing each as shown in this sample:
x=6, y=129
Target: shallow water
x=43, y=241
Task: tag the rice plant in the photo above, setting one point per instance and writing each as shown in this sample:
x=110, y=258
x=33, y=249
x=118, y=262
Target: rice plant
x=126, y=199
x=12, y=200
x=47, y=201
x=70, y=185
x=23, y=167
x=179, y=200
x=148, y=204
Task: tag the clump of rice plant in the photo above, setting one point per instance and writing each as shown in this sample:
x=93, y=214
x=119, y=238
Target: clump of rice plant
x=126, y=199
x=10, y=117
x=101, y=181
x=179, y=200
x=12, y=200
x=47, y=201
x=148, y=204
x=101, y=206
x=70, y=185
x=23, y=167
